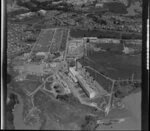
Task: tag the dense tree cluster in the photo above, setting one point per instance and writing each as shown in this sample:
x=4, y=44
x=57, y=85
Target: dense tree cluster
x=89, y=124
x=35, y=5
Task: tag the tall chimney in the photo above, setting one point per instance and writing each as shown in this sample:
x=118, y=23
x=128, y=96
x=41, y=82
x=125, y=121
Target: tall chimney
x=76, y=66
x=132, y=77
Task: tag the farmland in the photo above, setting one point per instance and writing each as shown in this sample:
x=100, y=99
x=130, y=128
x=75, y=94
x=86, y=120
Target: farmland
x=28, y=85
x=64, y=40
x=56, y=40
x=33, y=77
x=106, y=84
x=51, y=40
x=48, y=85
x=44, y=41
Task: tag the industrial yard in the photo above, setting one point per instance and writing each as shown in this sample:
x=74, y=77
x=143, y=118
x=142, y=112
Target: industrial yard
x=56, y=72
x=62, y=73
x=72, y=65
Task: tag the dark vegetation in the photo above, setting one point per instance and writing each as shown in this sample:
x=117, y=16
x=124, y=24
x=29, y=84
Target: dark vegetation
x=133, y=1
x=97, y=19
x=9, y=107
x=48, y=85
x=99, y=11
x=116, y=48
x=114, y=65
x=89, y=123
x=37, y=58
x=116, y=7
x=28, y=20
x=69, y=99
x=33, y=77
x=64, y=40
x=40, y=98
x=123, y=89
x=56, y=55
x=43, y=120
x=34, y=5
x=29, y=85
x=103, y=34
x=16, y=12
x=9, y=78
x=11, y=74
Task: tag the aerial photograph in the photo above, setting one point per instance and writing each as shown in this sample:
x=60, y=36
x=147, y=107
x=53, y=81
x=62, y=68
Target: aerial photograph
x=74, y=64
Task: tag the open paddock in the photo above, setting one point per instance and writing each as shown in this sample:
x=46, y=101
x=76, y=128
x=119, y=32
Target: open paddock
x=44, y=41
x=29, y=85
x=33, y=77
x=48, y=85
x=40, y=98
x=64, y=39
x=51, y=40
x=105, y=83
x=134, y=46
x=109, y=47
x=56, y=43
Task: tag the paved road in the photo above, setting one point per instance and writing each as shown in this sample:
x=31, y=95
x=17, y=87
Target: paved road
x=110, y=99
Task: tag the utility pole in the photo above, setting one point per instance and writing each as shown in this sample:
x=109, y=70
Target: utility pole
x=85, y=48
x=107, y=109
x=67, y=46
x=132, y=78
x=121, y=41
x=76, y=66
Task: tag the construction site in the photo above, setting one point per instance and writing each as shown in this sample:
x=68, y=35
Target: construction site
x=52, y=65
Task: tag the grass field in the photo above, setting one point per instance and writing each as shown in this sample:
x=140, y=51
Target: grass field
x=111, y=47
x=29, y=85
x=48, y=85
x=116, y=7
x=44, y=41
x=40, y=98
x=57, y=40
x=52, y=41
x=114, y=65
x=106, y=84
x=64, y=40
x=33, y=77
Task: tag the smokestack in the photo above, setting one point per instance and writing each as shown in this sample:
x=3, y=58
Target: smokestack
x=76, y=66
x=132, y=77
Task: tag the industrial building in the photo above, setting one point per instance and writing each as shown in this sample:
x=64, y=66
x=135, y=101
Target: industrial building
x=78, y=78
x=89, y=91
x=72, y=74
x=76, y=48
